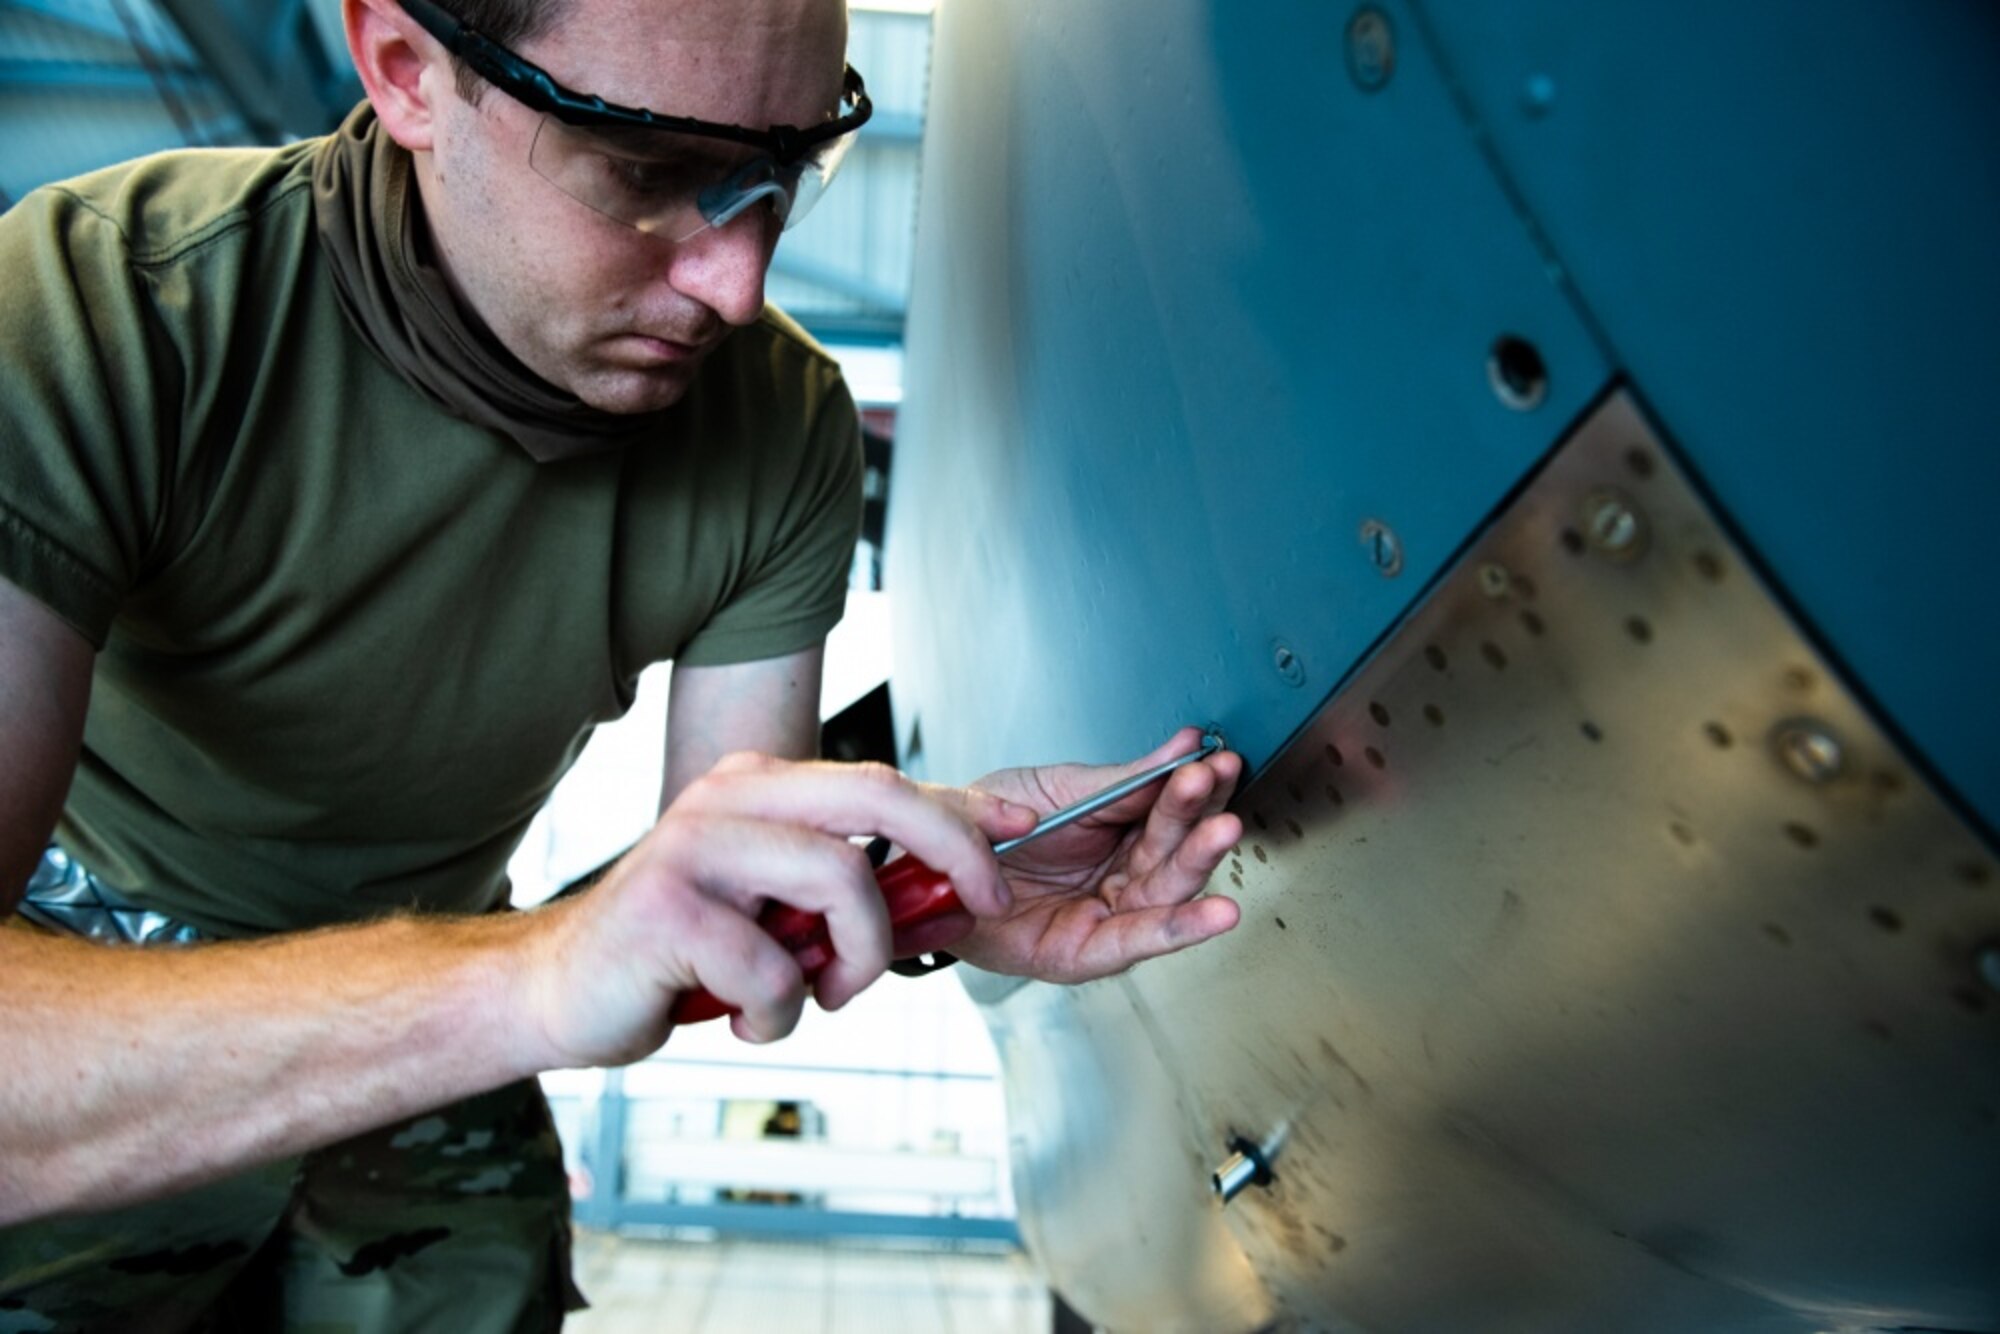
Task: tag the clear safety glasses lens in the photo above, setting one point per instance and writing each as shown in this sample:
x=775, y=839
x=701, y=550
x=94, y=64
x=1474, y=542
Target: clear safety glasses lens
x=677, y=185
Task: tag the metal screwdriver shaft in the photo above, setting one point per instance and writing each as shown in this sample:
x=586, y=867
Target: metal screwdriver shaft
x=1210, y=744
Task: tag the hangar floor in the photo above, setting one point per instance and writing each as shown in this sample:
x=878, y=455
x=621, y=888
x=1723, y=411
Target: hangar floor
x=724, y=1287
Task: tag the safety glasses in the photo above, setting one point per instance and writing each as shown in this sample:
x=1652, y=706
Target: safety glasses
x=672, y=176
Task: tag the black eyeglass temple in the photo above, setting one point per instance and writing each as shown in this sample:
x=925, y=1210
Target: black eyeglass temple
x=439, y=23
x=532, y=86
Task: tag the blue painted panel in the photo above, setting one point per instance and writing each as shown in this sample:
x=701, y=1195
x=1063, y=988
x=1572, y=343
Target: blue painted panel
x=1786, y=218
x=1189, y=307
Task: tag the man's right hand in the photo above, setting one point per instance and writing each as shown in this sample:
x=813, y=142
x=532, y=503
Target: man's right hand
x=680, y=910
x=141, y=1072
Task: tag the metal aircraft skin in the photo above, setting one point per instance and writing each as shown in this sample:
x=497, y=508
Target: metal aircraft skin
x=1555, y=443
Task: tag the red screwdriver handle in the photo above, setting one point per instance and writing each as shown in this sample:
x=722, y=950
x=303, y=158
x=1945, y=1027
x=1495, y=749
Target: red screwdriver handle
x=913, y=893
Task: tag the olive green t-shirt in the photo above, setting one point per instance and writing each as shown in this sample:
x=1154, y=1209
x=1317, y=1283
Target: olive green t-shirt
x=349, y=642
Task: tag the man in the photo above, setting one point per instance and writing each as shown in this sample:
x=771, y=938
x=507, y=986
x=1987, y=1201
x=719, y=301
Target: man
x=346, y=486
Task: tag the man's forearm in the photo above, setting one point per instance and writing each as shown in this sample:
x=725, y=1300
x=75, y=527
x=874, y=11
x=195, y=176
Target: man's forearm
x=135, y=1073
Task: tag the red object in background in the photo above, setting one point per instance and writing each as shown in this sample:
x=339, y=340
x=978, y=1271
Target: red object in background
x=880, y=420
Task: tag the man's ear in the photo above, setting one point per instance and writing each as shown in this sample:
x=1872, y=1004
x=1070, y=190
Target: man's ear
x=392, y=55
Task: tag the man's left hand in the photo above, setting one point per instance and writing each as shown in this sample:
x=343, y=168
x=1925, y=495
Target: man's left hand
x=1117, y=887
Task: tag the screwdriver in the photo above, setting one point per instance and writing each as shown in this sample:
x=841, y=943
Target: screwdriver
x=913, y=892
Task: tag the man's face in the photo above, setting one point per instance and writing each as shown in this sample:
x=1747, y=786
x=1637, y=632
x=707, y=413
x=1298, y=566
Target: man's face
x=620, y=318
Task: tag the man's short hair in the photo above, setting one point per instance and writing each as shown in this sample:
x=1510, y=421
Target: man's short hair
x=507, y=22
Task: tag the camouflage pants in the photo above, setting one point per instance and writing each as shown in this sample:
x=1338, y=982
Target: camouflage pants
x=457, y=1220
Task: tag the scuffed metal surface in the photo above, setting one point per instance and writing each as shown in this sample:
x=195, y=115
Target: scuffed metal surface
x=1568, y=1002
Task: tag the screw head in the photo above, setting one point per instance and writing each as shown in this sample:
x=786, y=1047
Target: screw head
x=1290, y=669
x=1371, y=49
x=1494, y=580
x=1809, y=749
x=1385, y=549
x=1614, y=525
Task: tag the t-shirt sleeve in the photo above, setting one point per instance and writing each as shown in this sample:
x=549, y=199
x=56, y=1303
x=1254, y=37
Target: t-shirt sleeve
x=81, y=480
x=798, y=588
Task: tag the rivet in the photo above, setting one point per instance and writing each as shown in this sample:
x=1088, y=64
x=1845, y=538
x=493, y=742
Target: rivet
x=1809, y=749
x=1385, y=549
x=1371, y=49
x=1494, y=581
x=1613, y=524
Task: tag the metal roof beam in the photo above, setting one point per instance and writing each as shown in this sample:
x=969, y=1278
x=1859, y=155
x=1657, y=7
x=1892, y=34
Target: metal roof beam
x=94, y=22
x=259, y=72
x=84, y=76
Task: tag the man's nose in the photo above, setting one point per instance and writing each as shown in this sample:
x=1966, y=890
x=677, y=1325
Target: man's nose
x=724, y=267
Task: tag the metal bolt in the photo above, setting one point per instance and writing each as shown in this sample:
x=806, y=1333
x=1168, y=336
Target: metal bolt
x=1287, y=662
x=1494, y=580
x=1246, y=1164
x=1809, y=749
x=1385, y=549
x=1988, y=963
x=1371, y=49
x=1614, y=525
x=1230, y=1178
